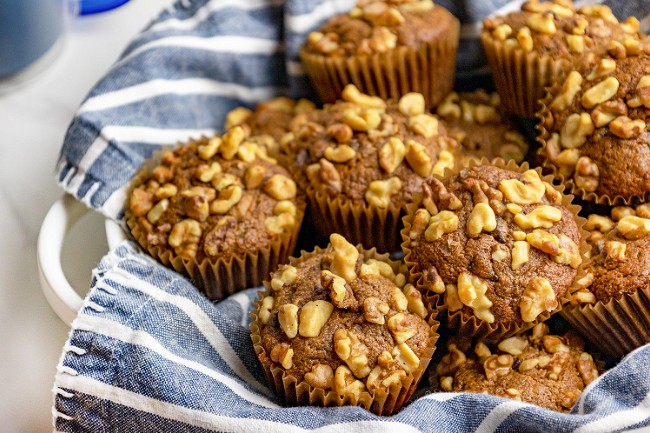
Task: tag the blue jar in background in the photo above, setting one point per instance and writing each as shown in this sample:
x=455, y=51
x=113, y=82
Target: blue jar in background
x=29, y=29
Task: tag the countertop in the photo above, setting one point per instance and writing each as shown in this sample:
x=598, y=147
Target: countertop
x=33, y=122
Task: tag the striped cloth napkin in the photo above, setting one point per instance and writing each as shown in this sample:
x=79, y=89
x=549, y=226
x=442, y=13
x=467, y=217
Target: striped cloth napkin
x=147, y=351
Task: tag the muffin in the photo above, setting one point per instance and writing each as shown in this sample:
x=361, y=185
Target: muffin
x=535, y=367
x=362, y=159
x=341, y=326
x=594, y=133
x=385, y=48
x=494, y=248
x=527, y=48
x=270, y=121
x=612, y=307
x=218, y=210
x=479, y=123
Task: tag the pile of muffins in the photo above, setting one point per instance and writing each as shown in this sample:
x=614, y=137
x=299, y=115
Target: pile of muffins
x=439, y=218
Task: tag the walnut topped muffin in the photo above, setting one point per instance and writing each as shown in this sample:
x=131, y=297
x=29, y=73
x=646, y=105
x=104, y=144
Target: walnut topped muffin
x=201, y=205
x=594, y=130
x=363, y=159
x=536, y=367
x=612, y=305
x=270, y=121
x=386, y=48
x=528, y=48
x=495, y=248
x=479, y=123
x=342, y=326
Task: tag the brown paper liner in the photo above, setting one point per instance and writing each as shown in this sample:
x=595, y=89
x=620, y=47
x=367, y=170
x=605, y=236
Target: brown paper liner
x=616, y=327
x=220, y=277
x=470, y=325
x=294, y=393
x=359, y=223
x=520, y=77
x=551, y=168
x=427, y=68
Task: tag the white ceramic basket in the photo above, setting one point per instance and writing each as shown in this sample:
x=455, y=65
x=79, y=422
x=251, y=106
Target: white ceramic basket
x=59, y=220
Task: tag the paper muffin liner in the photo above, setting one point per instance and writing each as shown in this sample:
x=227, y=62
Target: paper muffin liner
x=551, y=168
x=470, y=325
x=358, y=222
x=520, y=77
x=220, y=277
x=294, y=393
x=616, y=327
x=427, y=68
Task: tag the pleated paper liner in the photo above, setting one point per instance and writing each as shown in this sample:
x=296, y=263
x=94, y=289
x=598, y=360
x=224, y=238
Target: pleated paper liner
x=359, y=223
x=466, y=324
x=551, y=168
x=427, y=68
x=220, y=277
x=616, y=327
x=292, y=392
x=519, y=76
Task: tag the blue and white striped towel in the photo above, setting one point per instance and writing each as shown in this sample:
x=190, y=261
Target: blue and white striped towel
x=148, y=352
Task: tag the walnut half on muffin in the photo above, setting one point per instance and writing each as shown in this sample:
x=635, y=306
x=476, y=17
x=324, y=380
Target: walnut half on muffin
x=342, y=326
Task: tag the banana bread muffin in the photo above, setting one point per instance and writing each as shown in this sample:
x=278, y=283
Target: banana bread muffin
x=528, y=48
x=341, y=325
x=362, y=159
x=496, y=249
x=479, y=123
x=217, y=210
x=536, y=367
x=594, y=131
x=612, y=306
x=386, y=48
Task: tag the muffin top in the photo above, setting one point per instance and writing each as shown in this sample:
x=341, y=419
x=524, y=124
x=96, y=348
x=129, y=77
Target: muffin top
x=270, y=120
x=499, y=244
x=536, y=367
x=344, y=319
x=478, y=121
x=620, y=261
x=555, y=28
x=374, y=27
x=212, y=198
x=369, y=151
x=596, y=135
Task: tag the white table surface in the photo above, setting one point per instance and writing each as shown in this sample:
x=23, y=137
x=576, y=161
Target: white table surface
x=33, y=122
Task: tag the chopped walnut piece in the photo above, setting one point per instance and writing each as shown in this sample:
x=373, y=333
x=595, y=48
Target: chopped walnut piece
x=352, y=351
x=472, y=292
x=313, y=316
x=538, y=297
x=320, y=376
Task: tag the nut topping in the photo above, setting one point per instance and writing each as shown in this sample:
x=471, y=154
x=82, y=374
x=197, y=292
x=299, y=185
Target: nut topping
x=538, y=297
x=380, y=192
x=313, y=316
x=542, y=216
x=352, y=351
x=288, y=319
x=600, y=92
x=392, y=154
x=345, y=258
x=633, y=227
x=482, y=218
x=439, y=224
x=472, y=292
